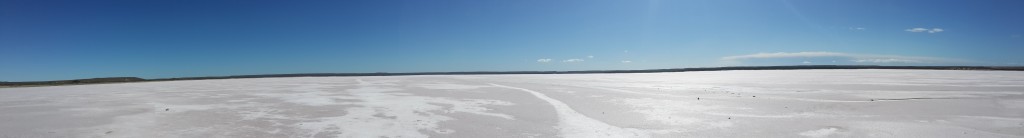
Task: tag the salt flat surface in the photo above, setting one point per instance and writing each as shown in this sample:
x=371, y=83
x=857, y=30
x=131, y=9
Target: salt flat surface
x=789, y=103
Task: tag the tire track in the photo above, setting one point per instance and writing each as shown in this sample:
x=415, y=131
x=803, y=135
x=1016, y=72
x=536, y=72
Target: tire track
x=572, y=124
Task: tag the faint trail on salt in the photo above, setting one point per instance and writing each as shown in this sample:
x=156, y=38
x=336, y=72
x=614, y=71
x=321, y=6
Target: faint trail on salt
x=634, y=92
x=817, y=100
x=361, y=82
x=678, y=96
x=572, y=124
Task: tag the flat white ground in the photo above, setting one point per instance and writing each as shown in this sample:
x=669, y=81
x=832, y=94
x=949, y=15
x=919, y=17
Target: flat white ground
x=792, y=103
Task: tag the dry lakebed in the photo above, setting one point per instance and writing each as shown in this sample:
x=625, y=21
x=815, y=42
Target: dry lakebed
x=765, y=103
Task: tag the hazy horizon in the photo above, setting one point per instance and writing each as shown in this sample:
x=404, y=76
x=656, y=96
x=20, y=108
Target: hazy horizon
x=364, y=74
x=58, y=40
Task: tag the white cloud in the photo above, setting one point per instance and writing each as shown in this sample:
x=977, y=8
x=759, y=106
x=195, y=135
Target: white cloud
x=785, y=55
x=916, y=30
x=859, y=58
x=544, y=60
x=806, y=62
x=590, y=56
x=627, y=61
x=573, y=60
x=919, y=30
x=887, y=60
x=858, y=28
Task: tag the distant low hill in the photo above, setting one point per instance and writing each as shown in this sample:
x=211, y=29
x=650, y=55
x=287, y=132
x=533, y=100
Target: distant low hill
x=72, y=82
x=134, y=79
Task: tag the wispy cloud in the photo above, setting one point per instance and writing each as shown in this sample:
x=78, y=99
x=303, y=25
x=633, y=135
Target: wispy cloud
x=590, y=56
x=573, y=60
x=859, y=58
x=916, y=30
x=919, y=30
x=786, y=55
x=544, y=60
x=858, y=28
x=887, y=60
x=806, y=62
x=627, y=61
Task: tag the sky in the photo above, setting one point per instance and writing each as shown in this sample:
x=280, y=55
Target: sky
x=54, y=39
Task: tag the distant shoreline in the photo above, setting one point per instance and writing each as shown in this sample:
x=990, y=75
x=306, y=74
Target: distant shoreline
x=797, y=67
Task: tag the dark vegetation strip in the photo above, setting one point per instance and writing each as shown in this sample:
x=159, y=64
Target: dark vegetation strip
x=135, y=79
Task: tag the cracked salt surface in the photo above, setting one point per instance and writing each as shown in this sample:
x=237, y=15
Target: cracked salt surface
x=796, y=103
x=384, y=113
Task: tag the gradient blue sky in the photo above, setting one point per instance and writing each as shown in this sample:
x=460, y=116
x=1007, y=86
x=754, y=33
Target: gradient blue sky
x=48, y=39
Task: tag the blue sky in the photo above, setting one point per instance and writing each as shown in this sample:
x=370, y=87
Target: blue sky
x=48, y=39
